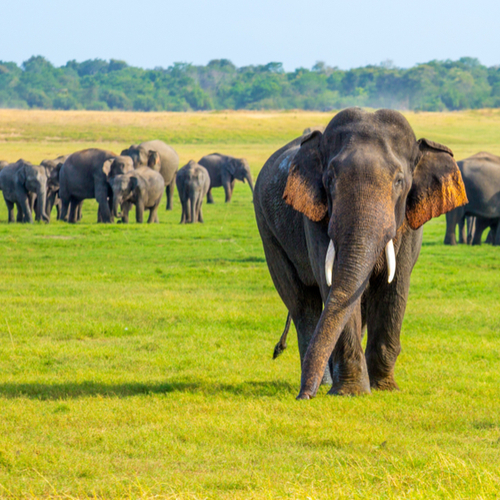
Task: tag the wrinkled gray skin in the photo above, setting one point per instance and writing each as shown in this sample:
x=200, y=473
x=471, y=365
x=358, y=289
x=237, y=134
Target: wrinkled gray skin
x=223, y=170
x=167, y=165
x=481, y=175
x=362, y=183
x=142, y=187
x=84, y=175
x=20, y=180
x=193, y=183
x=310, y=130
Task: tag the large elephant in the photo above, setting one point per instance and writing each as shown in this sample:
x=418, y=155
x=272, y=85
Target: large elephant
x=84, y=175
x=167, y=165
x=18, y=182
x=481, y=175
x=193, y=183
x=340, y=218
x=223, y=170
x=142, y=187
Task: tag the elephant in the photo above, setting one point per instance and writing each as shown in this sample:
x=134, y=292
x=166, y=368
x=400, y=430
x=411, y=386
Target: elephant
x=84, y=175
x=309, y=130
x=223, y=170
x=340, y=216
x=142, y=187
x=3, y=164
x=18, y=182
x=481, y=175
x=52, y=169
x=167, y=165
x=193, y=183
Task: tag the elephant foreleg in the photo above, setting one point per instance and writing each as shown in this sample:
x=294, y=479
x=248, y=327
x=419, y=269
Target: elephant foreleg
x=228, y=189
x=26, y=210
x=210, y=198
x=139, y=211
x=385, y=309
x=348, y=363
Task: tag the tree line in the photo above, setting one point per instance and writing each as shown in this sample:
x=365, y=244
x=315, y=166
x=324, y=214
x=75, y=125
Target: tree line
x=101, y=85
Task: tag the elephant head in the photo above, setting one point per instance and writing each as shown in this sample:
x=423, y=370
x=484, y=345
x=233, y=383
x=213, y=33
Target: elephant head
x=123, y=187
x=368, y=180
x=240, y=169
x=33, y=179
x=143, y=157
x=117, y=166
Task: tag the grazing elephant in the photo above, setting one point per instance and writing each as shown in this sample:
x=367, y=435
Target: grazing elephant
x=84, y=175
x=481, y=175
x=223, y=170
x=18, y=182
x=340, y=218
x=193, y=183
x=142, y=187
x=167, y=165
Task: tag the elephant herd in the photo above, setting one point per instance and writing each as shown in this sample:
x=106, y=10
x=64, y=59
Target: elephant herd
x=138, y=176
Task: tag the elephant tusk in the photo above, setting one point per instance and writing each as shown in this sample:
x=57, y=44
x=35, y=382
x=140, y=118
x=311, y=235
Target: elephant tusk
x=330, y=258
x=391, y=260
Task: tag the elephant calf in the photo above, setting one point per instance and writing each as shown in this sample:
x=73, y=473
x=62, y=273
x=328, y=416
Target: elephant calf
x=142, y=187
x=20, y=181
x=223, y=170
x=166, y=162
x=193, y=183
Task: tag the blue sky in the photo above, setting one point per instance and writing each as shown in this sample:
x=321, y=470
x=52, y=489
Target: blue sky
x=297, y=33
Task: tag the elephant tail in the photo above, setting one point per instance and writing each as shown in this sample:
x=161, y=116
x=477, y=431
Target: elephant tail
x=281, y=345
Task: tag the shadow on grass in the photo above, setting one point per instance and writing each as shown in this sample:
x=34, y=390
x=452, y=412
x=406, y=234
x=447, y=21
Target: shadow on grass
x=70, y=390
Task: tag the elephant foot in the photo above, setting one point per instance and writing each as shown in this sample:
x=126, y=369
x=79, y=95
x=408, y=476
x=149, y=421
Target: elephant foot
x=210, y=202
x=303, y=396
x=384, y=383
x=350, y=378
x=450, y=240
x=350, y=388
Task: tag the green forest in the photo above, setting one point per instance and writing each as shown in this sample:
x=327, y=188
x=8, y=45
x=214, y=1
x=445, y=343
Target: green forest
x=101, y=85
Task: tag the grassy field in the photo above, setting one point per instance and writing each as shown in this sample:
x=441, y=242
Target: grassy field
x=136, y=361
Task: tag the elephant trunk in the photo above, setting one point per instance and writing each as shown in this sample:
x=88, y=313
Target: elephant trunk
x=116, y=204
x=248, y=177
x=352, y=254
x=41, y=203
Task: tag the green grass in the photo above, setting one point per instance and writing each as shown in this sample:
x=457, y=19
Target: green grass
x=135, y=361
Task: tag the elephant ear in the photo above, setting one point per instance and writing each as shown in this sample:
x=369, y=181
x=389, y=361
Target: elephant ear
x=154, y=160
x=231, y=166
x=106, y=166
x=22, y=175
x=437, y=184
x=133, y=183
x=304, y=189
